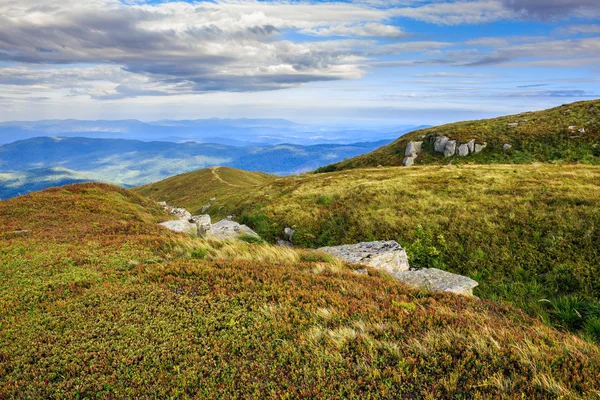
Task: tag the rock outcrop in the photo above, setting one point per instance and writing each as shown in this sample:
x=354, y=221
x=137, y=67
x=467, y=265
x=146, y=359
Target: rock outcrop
x=390, y=257
x=226, y=229
x=442, y=144
x=411, y=153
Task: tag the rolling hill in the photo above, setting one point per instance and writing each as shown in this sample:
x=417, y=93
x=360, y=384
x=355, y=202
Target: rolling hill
x=528, y=233
x=98, y=301
x=569, y=133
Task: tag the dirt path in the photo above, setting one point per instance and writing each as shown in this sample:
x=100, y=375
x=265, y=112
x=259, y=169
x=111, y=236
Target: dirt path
x=217, y=177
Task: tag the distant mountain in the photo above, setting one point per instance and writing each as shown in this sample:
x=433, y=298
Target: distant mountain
x=231, y=132
x=19, y=183
x=31, y=164
x=569, y=133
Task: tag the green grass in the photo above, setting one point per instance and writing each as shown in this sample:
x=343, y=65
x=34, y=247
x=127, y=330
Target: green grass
x=98, y=301
x=526, y=234
x=542, y=136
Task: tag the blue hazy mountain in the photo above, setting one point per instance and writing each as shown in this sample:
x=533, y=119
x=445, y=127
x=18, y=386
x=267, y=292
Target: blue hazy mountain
x=231, y=132
x=41, y=162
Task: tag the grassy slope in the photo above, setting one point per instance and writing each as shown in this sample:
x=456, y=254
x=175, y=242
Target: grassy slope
x=526, y=233
x=96, y=300
x=540, y=136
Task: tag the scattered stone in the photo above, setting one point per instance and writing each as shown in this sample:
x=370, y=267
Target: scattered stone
x=180, y=225
x=361, y=271
x=380, y=166
x=290, y=233
x=471, y=146
x=226, y=229
x=230, y=217
x=408, y=161
x=387, y=256
x=437, y=280
x=582, y=130
x=413, y=148
x=213, y=198
x=506, y=147
x=205, y=208
x=513, y=124
x=450, y=148
x=479, y=147
x=440, y=144
x=572, y=127
x=180, y=213
x=162, y=203
x=284, y=243
x=463, y=150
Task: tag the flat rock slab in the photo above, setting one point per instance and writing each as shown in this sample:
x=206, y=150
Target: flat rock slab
x=179, y=225
x=388, y=256
x=226, y=229
x=437, y=280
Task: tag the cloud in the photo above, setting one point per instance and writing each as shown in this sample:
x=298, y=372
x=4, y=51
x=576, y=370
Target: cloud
x=372, y=29
x=453, y=75
x=555, y=93
x=554, y=9
x=457, y=13
x=579, y=29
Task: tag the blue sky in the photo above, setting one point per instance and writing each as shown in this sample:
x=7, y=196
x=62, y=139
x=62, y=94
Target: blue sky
x=363, y=62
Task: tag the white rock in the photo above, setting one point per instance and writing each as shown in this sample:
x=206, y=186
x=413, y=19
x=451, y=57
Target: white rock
x=506, y=147
x=513, y=124
x=437, y=280
x=471, y=146
x=387, y=256
x=463, y=150
x=408, y=161
x=572, y=127
x=413, y=148
x=205, y=208
x=582, y=130
x=479, y=147
x=203, y=223
x=226, y=229
x=180, y=225
x=290, y=233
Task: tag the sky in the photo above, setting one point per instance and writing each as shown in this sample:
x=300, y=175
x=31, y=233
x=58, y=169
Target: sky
x=362, y=62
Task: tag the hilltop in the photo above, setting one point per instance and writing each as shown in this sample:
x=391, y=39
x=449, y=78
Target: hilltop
x=569, y=133
x=97, y=300
x=528, y=234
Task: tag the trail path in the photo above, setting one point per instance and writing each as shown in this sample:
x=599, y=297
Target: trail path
x=215, y=173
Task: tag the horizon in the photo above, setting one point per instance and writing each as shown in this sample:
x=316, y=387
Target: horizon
x=359, y=62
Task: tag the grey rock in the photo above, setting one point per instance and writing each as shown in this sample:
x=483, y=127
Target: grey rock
x=437, y=280
x=226, y=229
x=408, y=161
x=203, y=223
x=361, y=271
x=463, y=150
x=162, y=203
x=506, y=147
x=440, y=144
x=572, y=127
x=582, y=130
x=180, y=213
x=213, y=198
x=290, y=233
x=513, y=124
x=284, y=243
x=450, y=148
x=479, y=147
x=205, y=208
x=380, y=166
x=387, y=256
x=180, y=225
x=471, y=146
x=413, y=148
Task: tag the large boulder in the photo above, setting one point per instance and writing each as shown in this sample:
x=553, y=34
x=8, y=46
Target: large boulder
x=479, y=147
x=439, y=145
x=388, y=256
x=203, y=223
x=180, y=213
x=180, y=225
x=408, y=161
x=463, y=149
x=413, y=148
x=471, y=146
x=437, y=280
x=450, y=148
x=226, y=229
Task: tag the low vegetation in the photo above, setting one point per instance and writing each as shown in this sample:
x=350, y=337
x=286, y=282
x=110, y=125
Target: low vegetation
x=529, y=234
x=98, y=301
x=566, y=134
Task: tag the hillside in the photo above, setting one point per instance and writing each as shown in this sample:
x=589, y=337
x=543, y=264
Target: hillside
x=529, y=234
x=132, y=162
x=98, y=301
x=569, y=133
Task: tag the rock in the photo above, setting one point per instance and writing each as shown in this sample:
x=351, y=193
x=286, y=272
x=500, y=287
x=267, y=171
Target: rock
x=413, y=148
x=290, y=233
x=450, y=148
x=582, y=130
x=513, y=124
x=592, y=109
x=162, y=203
x=437, y=280
x=471, y=146
x=180, y=225
x=205, y=208
x=506, y=147
x=180, y=213
x=380, y=166
x=361, y=271
x=572, y=127
x=479, y=147
x=284, y=243
x=463, y=150
x=203, y=224
x=213, y=198
x=387, y=256
x=440, y=144
x=230, y=217
x=408, y=161
x=226, y=229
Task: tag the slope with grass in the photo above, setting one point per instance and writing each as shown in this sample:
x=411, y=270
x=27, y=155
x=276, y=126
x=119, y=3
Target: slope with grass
x=97, y=301
x=543, y=136
x=529, y=234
